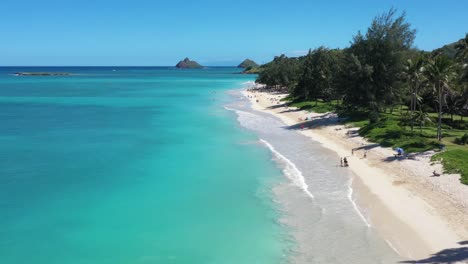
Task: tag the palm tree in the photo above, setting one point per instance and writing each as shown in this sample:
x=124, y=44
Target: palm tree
x=439, y=73
x=464, y=101
x=422, y=118
x=453, y=104
x=413, y=74
x=462, y=53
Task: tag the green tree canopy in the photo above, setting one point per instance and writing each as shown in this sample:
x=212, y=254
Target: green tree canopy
x=380, y=53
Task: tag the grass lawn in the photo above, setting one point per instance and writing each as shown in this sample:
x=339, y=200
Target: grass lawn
x=455, y=161
x=391, y=130
x=315, y=106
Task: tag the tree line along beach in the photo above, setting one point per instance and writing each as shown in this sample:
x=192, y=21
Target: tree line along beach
x=397, y=114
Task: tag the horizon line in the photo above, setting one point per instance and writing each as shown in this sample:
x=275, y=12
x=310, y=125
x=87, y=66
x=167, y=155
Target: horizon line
x=166, y=66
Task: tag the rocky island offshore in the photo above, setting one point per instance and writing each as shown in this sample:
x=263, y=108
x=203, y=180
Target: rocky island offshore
x=188, y=64
x=249, y=66
x=248, y=63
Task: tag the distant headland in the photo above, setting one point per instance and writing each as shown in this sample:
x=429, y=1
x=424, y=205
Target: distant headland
x=188, y=64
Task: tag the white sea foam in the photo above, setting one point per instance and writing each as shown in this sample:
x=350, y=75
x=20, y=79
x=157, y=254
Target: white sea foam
x=252, y=121
x=249, y=84
x=230, y=109
x=290, y=170
x=391, y=245
x=353, y=202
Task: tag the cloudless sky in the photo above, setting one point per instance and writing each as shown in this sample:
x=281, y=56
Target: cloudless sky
x=212, y=32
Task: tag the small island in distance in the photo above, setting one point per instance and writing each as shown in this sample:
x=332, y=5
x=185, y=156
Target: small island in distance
x=249, y=66
x=248, y=63
x=188, y=64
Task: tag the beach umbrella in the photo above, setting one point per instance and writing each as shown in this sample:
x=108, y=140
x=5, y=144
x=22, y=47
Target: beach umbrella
x=399, y=150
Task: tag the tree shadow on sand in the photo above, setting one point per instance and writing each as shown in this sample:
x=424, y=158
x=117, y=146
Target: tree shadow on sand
x=450, y=255
x=327, y=119
x=290, y=110
x=410, y=156
x=367, y=147
x=277, y=106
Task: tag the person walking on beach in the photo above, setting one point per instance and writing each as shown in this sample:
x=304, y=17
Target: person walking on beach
x=345, y=161
x=341, y=161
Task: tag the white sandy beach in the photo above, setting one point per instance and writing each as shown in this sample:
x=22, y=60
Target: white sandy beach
x=418, y=215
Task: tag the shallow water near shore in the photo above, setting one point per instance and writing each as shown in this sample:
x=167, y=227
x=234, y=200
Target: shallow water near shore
x=316, y=197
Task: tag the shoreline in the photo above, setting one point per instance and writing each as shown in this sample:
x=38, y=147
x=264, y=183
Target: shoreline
x=415, y=219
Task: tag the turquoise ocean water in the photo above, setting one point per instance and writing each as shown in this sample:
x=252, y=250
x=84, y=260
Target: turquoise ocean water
x=132, y=165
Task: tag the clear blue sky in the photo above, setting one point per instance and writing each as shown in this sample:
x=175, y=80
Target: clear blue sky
x=213, y=32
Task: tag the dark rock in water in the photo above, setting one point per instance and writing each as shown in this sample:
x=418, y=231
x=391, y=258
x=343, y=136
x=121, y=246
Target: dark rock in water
x=247, y=63
x=42, y=73
x=188, y=64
